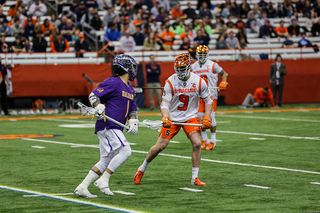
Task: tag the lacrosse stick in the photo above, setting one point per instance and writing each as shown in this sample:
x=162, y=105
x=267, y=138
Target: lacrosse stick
x=158, y=124
x=85, y=110
x=217, y=88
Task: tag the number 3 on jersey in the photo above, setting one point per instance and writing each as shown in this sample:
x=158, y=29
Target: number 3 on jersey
x=185, y=100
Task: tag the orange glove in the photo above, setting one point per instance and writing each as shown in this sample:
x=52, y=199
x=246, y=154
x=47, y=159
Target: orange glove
x=223, y=85
x=166, y=122
x=206, y=122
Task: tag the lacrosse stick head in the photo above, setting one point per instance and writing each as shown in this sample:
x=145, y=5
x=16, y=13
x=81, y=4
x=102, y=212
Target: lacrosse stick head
x=84, y=110
x=153, y=124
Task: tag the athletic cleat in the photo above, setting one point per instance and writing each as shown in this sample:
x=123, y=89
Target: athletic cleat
x=198, y=182
x=103, y=186
x=84, y=192
x=211, y=146
x=138, y=176
x=204, y=144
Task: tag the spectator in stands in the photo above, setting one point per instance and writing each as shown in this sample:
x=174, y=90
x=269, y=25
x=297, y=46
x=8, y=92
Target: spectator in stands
x=280, y=11
x=180, y=28
x=138, y=20
x=242, y=34
x=59, y=44
x=239, y=23
x=54, y=20
x=271, y=11
x=5, y=29
x=187, y=33
x=263, y=5
x=263, y=19
x=39, y=43
x=150, y=42
x=80, y=11
x=266, y=31
x=255, y=11
x=46, y=27
x=277, y=72
x=294, y=29
x=176, y=12
x=251, y=24
x=316, y=7
x=221, y=43
x=4, y=45
x=165, y=5
x=205, y=11
x=311, y=20
x=162, y=15
x=96, y=22
x=234, y=9
x=107, y=18
x=316, y=28
x=281, y=30
x=262, y=98
x=155, y=25
x=168, y=38
x=244, y=9
x=288, y=43
x=232, y=41
x=23, y=33
x=189, y=12
x=155, y=9
x=202, y=37
x=138, y=6
x=81, y=46
x=12, y=11
x=299, y=5
x=15, y=28
x=148, y=3
x=63, y=23
x=307, y=9
x=185, y=45
x=38, y=8
x=112, y=33
x=243, y=43
x=131, y=28
x=2, y=16
x=17, y=46
x=221, y=27
x=86, y=18
x=306, y=43
x=91, y=4
x=75, y=36
x=138, y=36
x=68, y=30
x=29, y=29
x=127, y=42
x=145, y=13
x=37, y=28
x=153, y=71
x=230, y=23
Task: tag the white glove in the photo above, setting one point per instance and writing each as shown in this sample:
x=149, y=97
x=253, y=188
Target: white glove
x=133, y=126
x=99, y=111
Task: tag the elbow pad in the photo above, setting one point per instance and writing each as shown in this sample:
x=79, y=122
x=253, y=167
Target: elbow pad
x=208, y=100
x=165, y=105
x=133, y=114
x=94, y=99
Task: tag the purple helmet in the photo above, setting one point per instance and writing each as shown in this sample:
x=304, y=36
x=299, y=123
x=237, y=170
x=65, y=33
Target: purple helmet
x=127, y=64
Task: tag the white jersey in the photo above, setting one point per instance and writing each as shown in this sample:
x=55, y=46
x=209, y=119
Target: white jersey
x=184, y=96
x=209, y=72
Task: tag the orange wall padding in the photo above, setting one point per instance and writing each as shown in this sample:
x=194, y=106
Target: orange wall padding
x=301, y=85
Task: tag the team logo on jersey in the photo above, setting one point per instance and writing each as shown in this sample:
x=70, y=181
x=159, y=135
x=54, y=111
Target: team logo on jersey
x=184, y=84
x=100, y=90
x=20, y=136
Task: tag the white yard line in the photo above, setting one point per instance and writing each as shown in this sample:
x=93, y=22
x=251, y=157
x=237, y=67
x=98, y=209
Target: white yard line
x=124, y=193
x=316, y=183
x=255, y=186
x=184, y=157
x=269, y=135
x=258, y=139
x=38, y=147
x=191, y=190
x=66, y=120
x=52, y=196
x=265, y=118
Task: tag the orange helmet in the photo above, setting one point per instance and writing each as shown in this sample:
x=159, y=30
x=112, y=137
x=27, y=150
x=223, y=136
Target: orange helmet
x=182, y=65
x=202, y=53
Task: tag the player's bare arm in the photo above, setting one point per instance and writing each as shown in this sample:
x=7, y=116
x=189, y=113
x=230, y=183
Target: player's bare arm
x=224, y=75
x=223, y=84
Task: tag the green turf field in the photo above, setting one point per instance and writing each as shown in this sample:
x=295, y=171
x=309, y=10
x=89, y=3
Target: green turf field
x=279, y=150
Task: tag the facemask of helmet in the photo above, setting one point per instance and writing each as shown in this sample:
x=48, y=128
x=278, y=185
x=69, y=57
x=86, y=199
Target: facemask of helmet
x=202, y=53
x=182, y=65
x=127, y=64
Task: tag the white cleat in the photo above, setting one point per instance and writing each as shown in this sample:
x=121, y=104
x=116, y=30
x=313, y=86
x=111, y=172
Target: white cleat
x=103, y=186
x=84, y=192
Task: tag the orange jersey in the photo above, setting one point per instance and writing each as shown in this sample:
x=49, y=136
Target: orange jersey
x=12, y=12
x=260, y=96
x=136, y=22
x=46, y=29
x=281, y=31
x=184, y=34
x=176, y=13
x=166, y=35
x=34, y=21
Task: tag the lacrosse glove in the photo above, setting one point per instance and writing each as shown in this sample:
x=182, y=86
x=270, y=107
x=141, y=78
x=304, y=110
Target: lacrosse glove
x=133, y=125
x=167, y=122
x=206, y=122
x=99, y=111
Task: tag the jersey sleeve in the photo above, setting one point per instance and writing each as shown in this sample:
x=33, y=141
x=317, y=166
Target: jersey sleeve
x=204, y=89
x=168, y=91
x=216, y=68
x=104, y=91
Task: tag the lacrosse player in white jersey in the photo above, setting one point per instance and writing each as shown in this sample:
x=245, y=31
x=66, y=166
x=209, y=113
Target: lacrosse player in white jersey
x=180, y=103
x=209, y=70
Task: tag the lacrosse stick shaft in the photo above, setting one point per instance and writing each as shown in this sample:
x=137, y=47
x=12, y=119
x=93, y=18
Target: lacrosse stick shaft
x=186, y=124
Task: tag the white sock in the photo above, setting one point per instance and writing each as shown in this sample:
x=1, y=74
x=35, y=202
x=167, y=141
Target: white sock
x=195, y=171
x=92, y=176
x=213, y=137
x=144, y=165
x=204, y=136
x=105, y=177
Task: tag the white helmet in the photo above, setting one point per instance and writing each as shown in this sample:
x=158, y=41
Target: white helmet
x=202, y=53
x=182, y=65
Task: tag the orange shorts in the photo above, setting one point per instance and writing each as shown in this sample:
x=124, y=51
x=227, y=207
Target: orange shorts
x=169, y=133
x=202, y=105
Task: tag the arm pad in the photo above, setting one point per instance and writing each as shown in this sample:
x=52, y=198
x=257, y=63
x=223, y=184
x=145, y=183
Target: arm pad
x=94, y=99
x=133, y=114
x=208, y=100
x=165, y=105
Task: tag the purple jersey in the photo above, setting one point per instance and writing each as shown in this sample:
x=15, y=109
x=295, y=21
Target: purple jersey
x=118, y=98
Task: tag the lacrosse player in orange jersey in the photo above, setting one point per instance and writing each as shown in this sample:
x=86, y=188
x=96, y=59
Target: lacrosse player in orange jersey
x=209, y=70
x=180, y=103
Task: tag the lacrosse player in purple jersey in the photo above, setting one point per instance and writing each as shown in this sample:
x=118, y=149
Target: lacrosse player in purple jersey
x=114, y=97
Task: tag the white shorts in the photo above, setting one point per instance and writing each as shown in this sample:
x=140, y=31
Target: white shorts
x=111, y=140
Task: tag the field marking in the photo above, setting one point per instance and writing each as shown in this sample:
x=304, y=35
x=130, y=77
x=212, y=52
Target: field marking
x=269, y=135
x=184, y=157
x=73, y=145
x=255, y=186
x=124, y=193
x=191, y=190
x=64, y=120
x=316, y=183
x=174, y=141
x=258, y=139
x=53, y=194
x=38, y=147
x=268, y=118
x=77, y=125
x=47, y=195
x=13, y=120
